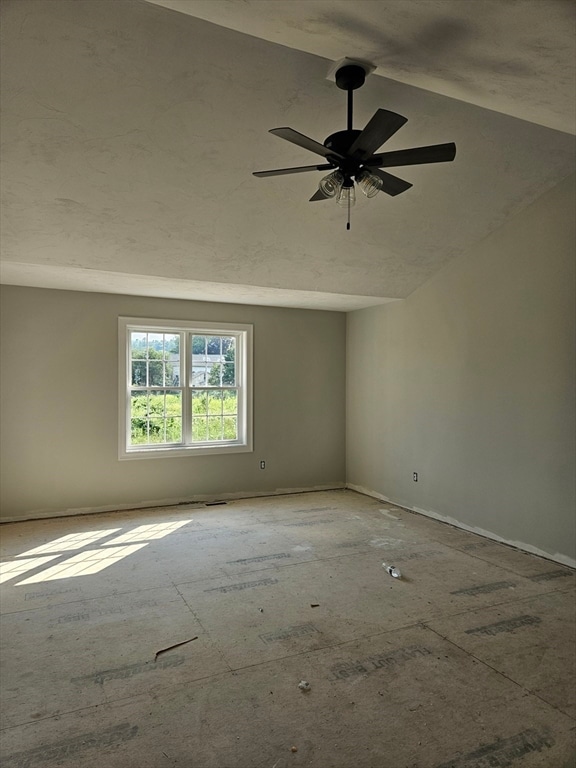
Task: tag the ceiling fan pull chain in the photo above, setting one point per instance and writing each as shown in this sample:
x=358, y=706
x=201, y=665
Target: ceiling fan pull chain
x=348, y=222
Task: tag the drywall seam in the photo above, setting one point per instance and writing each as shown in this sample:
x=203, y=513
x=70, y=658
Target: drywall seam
x=41, y=514
x=557, y=557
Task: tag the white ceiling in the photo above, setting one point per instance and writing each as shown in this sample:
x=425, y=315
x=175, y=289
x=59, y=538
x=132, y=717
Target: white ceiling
x=131, y=130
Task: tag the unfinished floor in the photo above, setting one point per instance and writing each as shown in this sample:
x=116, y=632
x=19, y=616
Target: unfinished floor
x=465, y=662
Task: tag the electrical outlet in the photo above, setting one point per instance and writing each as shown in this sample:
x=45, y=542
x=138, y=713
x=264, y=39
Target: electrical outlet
x=262, y=465
x=415, y=476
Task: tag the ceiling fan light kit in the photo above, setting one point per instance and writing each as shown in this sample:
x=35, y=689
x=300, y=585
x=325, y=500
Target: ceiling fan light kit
x=368, y=182
x=350, y=155
x=346, y=197
x=332, y=184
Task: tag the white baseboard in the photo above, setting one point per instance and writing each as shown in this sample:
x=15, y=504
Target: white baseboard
x=43, y=514
x=556, y=557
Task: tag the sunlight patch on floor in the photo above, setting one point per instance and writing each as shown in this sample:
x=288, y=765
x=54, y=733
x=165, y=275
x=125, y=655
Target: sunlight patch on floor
x=83, y=563
x=71, y=541
x=14, y=568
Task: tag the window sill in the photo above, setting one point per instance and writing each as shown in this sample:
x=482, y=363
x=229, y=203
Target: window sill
x=182, y=451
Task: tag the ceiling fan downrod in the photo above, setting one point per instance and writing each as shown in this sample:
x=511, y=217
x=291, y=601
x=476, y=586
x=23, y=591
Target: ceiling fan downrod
x=349, y=78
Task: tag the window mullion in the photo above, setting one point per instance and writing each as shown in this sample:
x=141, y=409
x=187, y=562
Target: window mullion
x=186, y=362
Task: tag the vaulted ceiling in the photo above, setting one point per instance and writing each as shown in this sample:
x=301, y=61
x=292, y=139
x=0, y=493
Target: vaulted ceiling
x=131, y=129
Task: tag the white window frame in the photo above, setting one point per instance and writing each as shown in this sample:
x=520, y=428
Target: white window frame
x=244, y=372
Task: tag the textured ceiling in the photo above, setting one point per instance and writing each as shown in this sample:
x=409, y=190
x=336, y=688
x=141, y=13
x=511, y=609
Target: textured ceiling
x=130, y=132
x=513, y=56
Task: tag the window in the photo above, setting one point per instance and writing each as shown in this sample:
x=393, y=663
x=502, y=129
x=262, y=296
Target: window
x=185, y=388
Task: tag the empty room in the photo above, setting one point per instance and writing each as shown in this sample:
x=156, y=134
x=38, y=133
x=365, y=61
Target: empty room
x=287, y=384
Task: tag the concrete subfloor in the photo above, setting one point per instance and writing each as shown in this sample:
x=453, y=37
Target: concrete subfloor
x=465, y=662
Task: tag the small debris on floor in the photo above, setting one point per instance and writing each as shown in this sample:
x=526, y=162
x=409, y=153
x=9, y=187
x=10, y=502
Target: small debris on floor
x=176, y=645
x=261, y=610
x=304, y=685
x=392, y=570
x=314, y=605
x=294, y=749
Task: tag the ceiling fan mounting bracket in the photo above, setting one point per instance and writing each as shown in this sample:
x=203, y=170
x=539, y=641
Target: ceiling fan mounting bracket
x=350, y=77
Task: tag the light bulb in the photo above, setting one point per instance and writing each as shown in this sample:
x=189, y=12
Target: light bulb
x=369, y=183
x=330, y=185
x=346, y=196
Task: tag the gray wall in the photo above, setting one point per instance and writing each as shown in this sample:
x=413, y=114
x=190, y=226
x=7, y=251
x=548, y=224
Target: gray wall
x=470, y=383
x=59, y=405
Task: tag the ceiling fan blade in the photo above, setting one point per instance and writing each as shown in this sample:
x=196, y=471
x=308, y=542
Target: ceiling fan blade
x=392, y=185
x=303, y=141
x=437, y=153
x=381, y=126
x=318, y=195
x=285, y=171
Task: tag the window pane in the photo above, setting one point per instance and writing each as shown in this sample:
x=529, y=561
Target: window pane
x=214, y=373
x=138, y=418
x=199, y=403
x=155, y=373
x=230, y=428
x=198, y=375
x=172, y=373
x=155, y=343
x=215, y=400
x=138, y=404
x=229, y=374
x=199, y=347
x=156, y=404
x=172, y=344
x=214, y=427
x=173, y=417
x=199, y=429
x=157, y=431
x=229, y=348
x=173, y=430
x=230, y=402
x=138, y=432
x=214, y=345
x=137, y=340
x=172, y=357
x=173, y=403
x=139, y=373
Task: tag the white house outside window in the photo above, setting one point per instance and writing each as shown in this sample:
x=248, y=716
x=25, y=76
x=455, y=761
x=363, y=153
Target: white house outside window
x=185, y=387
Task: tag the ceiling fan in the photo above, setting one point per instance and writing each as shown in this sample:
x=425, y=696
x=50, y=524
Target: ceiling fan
x=350, y=154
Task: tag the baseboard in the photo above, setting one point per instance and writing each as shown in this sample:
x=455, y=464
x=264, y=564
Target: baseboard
x=557, y=557
x=45, y=514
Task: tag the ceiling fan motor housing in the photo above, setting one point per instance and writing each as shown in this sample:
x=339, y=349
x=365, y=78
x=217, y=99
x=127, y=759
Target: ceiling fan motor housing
x=340, y=142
